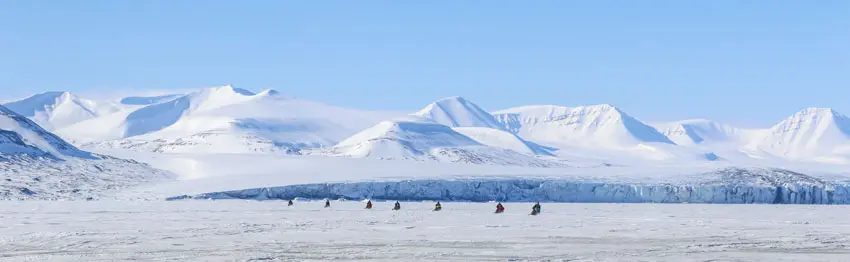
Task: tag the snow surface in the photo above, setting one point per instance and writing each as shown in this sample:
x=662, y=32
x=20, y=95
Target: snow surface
x=271, y=231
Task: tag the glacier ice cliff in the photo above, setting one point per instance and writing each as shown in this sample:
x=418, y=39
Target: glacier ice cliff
x=731, y=185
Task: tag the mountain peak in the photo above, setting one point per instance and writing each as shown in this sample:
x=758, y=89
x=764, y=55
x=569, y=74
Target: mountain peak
x=696, y=131
x=592, y=125
x=19, y=135
x=458, y=112
x=228, y=89
x=811, y=131
x=57, y=109
x=817, y=111
x=269, y=92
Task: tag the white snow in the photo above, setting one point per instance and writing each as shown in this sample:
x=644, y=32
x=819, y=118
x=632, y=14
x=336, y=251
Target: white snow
x=698, y=131
x=501, y=139
x=421, y=139
x=596, y=126
x=810, y=133
x=23, y=136
x=458, y=112
x=235, y=120
x=54, y=110
x=269, y=230
x=36, y=164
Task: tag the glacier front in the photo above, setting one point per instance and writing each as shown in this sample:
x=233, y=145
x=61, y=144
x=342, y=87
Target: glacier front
x=728, y=185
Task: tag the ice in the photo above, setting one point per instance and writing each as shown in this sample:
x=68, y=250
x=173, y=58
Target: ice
x=271, y=231
x=727, y=186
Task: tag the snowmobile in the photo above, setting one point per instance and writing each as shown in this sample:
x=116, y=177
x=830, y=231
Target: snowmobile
x=438, y=207
x=369, y=204
x=327, y=203
x=500, y=208
x=290, y=203
x=535, y=210
x=397, y=206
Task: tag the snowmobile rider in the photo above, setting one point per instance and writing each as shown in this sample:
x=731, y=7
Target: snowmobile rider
x=500, y=208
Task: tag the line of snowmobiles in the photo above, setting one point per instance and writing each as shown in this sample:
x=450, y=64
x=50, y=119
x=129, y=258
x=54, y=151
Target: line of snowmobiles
x=535, y=210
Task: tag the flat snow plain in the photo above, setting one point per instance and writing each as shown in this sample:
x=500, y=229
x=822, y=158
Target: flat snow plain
x=238, y=230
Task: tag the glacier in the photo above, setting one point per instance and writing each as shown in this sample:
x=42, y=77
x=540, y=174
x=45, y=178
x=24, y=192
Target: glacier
x=724, y=186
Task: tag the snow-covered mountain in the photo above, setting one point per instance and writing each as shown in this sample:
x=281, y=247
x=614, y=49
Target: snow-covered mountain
x=449, y=130
x=37, y=164
x=587, y=126
x=420, y=139
x=147, y=100
x=225, y=120
x=458, y=112
x=698, y=131
x=232, y=120
x=820, y=134
x=55, y=110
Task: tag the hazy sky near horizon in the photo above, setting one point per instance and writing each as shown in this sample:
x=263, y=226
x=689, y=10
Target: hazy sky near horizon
x=749, y=63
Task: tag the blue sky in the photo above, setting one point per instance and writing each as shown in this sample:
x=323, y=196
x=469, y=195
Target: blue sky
x=750, y=63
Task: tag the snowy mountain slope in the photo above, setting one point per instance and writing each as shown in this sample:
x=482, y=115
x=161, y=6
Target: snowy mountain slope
x=813, y=133
x=501, y=139
x=21, y=136
x=698, y=131
x=458, y=112
x=54, y=110
x=213, y=141
x=226, y=120
x=37, y=164
x=420, y=139
x=148, y=100
x=589, y=126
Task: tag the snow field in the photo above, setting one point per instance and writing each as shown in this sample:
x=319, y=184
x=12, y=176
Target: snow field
x=269, y=230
